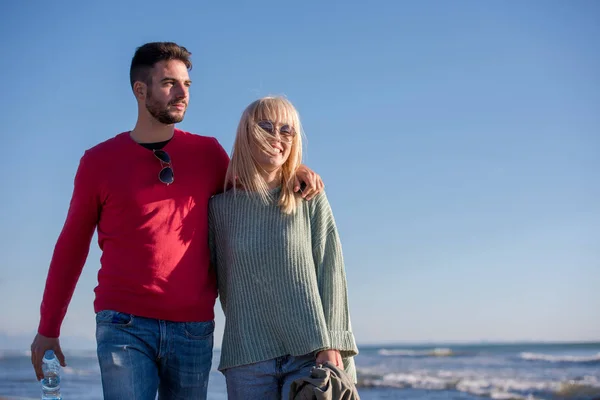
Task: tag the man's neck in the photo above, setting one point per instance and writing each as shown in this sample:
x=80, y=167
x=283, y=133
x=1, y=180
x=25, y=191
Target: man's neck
x=151, y=132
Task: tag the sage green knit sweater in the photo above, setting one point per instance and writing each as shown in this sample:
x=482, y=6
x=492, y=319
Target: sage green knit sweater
x=281, y=278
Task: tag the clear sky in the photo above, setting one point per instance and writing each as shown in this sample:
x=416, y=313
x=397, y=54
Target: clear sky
x=459, y=142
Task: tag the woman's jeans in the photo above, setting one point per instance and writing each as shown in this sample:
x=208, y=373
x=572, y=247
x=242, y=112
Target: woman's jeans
x=142, y=356
x=267, y=380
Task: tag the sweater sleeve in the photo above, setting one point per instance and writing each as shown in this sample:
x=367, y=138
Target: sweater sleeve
x=331, y=276
x=71, y=249
x=221, y=165
x=212, y=243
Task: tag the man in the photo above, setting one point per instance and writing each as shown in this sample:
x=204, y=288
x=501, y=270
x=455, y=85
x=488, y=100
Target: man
x=147, y=193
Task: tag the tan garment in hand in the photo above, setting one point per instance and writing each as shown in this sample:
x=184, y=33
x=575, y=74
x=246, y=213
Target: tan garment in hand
x=326, y=382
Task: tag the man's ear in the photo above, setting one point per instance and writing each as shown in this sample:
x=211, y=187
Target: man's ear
x=140, y=89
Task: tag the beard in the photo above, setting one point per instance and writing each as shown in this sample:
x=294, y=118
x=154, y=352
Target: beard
x=162, y=113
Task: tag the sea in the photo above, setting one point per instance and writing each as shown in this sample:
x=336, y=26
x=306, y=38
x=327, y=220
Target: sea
x=548, y=371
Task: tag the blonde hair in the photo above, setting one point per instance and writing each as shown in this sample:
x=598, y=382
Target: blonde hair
x=244, y=171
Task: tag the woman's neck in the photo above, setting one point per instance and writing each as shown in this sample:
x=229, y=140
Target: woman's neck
x=272, y=178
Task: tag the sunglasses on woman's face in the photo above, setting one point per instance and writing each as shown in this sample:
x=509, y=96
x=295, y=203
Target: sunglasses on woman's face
x=286, y=132
x=166, y=173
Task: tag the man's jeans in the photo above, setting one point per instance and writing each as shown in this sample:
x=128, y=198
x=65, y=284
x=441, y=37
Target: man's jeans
x=267, y=380
x=140, y=356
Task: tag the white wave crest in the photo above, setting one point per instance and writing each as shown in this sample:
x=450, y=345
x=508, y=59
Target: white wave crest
x=502, y=388
x=79, y=372
x=559, y=359
x=437, y=352
x=14, y=353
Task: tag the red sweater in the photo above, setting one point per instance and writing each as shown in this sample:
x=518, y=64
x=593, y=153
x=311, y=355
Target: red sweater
x=153, y=237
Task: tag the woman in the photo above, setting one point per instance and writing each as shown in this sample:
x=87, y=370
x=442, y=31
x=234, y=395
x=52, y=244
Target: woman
x=279, y=263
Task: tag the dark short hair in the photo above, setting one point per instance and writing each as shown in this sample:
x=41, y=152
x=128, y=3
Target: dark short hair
x=147, y=55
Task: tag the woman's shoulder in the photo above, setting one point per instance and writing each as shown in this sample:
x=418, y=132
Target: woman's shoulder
x=316, y=206
x=319, y=202
x=221, y=200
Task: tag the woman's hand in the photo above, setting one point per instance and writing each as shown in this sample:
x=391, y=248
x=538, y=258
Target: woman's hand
x=333, y=356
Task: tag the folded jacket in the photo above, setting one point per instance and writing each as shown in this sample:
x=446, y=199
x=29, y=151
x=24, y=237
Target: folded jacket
x=326, y=382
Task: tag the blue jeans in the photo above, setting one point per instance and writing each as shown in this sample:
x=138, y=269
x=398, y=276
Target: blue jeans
x=267, y=380
x=142, y=356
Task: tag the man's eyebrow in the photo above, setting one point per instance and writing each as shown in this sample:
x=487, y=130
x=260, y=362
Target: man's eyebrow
x=169, y=78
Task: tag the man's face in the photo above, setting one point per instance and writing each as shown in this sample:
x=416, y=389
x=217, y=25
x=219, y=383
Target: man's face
x=168, y=91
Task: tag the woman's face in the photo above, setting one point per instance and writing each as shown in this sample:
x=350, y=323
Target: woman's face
x=280, y=137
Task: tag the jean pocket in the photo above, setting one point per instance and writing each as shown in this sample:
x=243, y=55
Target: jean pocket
x=199, y=330
x=110, y=317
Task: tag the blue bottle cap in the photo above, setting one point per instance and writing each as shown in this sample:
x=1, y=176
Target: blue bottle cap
x=49, y=354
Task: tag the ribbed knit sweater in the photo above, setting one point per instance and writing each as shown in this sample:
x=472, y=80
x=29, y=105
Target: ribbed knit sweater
x=281, y=279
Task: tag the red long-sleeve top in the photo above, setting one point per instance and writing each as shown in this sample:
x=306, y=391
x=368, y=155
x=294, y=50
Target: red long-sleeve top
x=153, y=237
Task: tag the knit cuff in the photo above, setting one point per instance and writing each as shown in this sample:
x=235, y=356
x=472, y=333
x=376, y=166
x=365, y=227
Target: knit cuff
x=344, y=342
x=48, y=329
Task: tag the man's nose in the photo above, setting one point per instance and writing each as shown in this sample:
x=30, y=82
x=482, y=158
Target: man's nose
x=181, y=91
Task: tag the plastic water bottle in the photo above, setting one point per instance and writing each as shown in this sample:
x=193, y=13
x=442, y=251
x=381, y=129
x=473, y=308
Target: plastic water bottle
x=51, y=380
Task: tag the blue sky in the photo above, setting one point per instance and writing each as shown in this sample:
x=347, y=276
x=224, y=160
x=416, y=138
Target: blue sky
x=459, y=143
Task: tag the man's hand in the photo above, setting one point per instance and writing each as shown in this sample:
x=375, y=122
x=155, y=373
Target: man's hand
x=38, y=348
x=333, y=356
x=314, y=184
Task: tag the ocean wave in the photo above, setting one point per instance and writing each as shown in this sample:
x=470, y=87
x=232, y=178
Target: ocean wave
x=80, y=372
x=560, y=359
x=437, y=352
x=14, y=353
x=504, y=388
